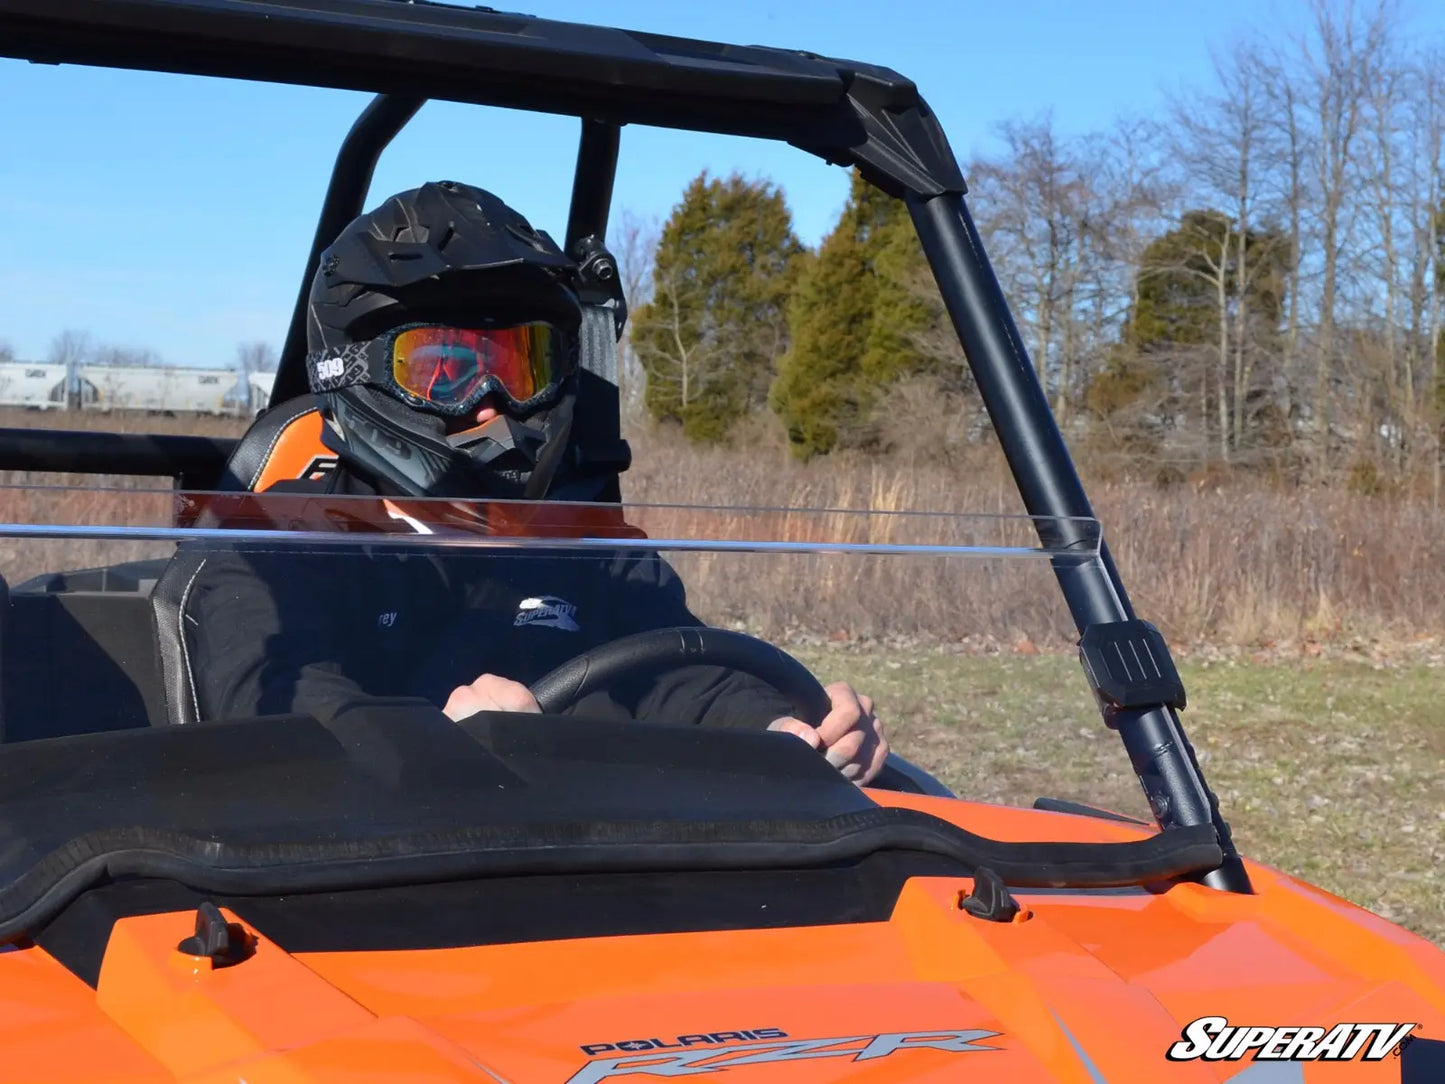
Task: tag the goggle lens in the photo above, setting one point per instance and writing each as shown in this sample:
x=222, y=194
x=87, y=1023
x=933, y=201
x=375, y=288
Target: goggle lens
x=446, y=365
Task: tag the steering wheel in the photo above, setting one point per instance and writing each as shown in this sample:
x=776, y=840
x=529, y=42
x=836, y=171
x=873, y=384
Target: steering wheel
x=669, y=648
x=663, y=649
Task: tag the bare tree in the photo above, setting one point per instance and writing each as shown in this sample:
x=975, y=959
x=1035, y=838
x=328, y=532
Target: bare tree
x=1340, y=61
x=252, y=357
x=1220, y=140
x=1050, y=224
x=106, y=354
x=255, y=357
x=69, y=348
x=1426, y=123
x=681, y=360
x=634, y=244
x=1028, y=196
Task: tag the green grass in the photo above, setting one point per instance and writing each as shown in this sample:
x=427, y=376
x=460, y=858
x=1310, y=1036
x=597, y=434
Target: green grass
x=1329, y=769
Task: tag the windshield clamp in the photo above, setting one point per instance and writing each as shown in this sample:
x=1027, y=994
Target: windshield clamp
x=224, y=943
x=1129, y=666
x=990, y=899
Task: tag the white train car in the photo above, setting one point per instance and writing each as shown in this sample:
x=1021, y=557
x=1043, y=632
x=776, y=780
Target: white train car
x=158, y=389
x=260, y=387
x=32, y=384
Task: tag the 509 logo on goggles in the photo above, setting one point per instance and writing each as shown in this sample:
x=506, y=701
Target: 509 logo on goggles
x=1214, y=1038
x=698, y=1061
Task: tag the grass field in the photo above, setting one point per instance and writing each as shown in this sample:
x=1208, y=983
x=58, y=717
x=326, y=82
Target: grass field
x=1327, y=768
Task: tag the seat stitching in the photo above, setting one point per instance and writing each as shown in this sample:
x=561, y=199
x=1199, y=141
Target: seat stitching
x=181, y=636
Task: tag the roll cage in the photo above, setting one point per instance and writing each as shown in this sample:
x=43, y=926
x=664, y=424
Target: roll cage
x=850, y=114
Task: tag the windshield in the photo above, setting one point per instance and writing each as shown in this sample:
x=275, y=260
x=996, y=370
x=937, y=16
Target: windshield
x=205, y=606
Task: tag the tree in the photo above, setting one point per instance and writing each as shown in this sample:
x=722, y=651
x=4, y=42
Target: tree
x=1200, y=285
x=69, y=348
x=138, y=356
x=634, y=243
x=709, y=338
x=856, y=319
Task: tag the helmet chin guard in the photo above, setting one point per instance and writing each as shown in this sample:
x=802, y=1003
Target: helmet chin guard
x=406, y=452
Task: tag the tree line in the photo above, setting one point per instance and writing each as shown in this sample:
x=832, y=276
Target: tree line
x=1254, y=278
x=72, y=347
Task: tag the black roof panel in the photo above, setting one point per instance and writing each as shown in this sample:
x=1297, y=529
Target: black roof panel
x=846, y=112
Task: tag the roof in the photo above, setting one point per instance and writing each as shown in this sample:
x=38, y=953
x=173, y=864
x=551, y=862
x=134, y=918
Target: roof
x=844, y=111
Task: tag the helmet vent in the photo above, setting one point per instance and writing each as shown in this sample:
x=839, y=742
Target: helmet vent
x=414, y=233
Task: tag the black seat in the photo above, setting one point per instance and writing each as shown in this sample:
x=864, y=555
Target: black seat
x=283, y=444
x=79, y=654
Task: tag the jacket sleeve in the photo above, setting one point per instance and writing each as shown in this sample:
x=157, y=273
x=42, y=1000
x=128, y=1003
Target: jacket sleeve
x=651, y=595
x=264, y=636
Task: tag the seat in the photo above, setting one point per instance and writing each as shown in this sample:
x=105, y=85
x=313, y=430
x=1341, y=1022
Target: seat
x=79, y=652
x=283, y=444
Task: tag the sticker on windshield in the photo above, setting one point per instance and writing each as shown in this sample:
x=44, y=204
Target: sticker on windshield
x=549, y=611
x=653, y=1057
x=1214, y=1038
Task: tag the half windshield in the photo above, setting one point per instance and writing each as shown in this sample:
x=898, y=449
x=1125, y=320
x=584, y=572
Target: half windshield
x=186, y=606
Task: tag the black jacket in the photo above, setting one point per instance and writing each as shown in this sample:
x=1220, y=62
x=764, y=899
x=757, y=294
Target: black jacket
x=271, y=632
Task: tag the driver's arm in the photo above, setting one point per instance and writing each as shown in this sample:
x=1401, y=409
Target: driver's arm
x=263, y=632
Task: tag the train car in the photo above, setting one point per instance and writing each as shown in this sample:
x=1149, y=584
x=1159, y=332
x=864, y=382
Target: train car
x=259, y=385
x=32, y=384
x=158, y=389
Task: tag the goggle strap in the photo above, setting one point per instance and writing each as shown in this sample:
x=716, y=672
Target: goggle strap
x=340, y=367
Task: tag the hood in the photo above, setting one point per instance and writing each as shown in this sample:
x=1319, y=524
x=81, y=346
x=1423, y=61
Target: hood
x=1083, y=986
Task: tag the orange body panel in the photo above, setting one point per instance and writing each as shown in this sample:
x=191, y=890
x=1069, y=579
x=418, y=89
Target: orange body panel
x=1082, y=987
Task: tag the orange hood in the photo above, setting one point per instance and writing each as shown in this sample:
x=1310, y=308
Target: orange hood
x=1084, y=986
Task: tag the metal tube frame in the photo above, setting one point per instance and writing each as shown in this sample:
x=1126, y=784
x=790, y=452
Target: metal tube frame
x=592, y=183
x=380, y=121
x=1050, y=486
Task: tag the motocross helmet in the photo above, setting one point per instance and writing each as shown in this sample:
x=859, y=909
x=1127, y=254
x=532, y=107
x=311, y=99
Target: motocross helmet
x=439, y=297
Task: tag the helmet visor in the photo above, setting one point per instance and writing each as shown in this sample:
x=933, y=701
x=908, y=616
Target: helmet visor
x=454, y=367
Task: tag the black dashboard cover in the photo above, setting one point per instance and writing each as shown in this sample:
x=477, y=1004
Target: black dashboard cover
x=392, y=792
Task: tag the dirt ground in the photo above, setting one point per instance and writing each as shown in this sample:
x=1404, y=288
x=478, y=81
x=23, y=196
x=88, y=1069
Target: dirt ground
x=1326, y=767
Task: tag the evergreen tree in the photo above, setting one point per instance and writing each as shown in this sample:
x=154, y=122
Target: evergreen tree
x=709, y=338
x=854, y=318
x=1186, y=310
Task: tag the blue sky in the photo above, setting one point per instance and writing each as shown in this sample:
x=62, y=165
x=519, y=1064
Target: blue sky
x=173, y=213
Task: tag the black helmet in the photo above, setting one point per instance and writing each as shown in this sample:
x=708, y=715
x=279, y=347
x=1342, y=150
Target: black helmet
x=448, y=254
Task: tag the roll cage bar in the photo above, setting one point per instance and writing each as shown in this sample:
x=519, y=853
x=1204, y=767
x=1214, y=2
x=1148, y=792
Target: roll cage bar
x=850, y=114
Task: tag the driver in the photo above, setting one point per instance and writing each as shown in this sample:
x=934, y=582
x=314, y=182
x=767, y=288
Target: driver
x=442, y=345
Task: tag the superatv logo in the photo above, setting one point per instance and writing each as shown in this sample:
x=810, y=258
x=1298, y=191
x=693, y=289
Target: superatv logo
x=650, y=1057
x=1213, y=1038
x=548, y=611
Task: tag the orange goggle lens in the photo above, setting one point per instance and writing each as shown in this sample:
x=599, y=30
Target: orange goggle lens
x=448, y=366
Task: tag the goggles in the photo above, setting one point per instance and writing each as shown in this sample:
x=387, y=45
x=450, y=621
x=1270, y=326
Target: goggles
x=450, y=369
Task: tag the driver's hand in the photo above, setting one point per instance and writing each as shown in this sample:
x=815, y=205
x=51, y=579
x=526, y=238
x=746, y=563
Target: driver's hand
x=850, y=736
x=489, y=692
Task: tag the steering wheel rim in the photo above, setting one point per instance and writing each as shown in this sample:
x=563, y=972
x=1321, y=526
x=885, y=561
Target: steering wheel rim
x=668, y=648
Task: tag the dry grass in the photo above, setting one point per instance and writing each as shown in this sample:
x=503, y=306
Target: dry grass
x=1242, y=563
